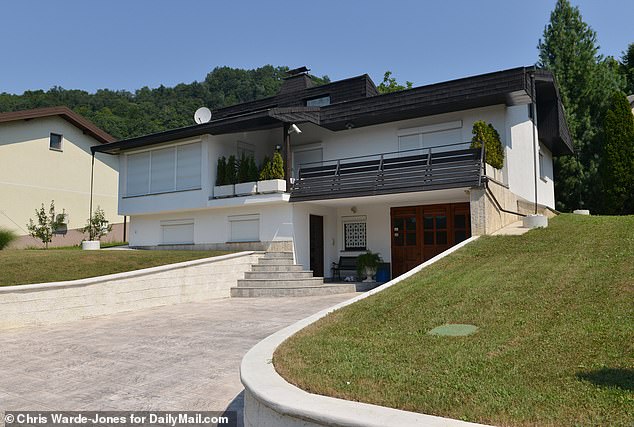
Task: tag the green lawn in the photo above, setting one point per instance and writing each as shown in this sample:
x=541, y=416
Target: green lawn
x=555, y=308
x=22, y=266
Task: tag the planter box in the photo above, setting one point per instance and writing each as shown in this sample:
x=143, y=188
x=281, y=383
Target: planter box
x=494, y=173
x=223, y=191
x=246, y=188
x=272, y=186
x=91, y=245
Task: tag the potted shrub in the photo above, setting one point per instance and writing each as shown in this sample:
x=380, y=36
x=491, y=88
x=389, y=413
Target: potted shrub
x=247, y=179
x=96, y=227
x=272, y=176
x=223, y=187
x=367, y=264
x=485, y=133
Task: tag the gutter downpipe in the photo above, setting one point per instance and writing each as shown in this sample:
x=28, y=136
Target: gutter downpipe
x=534, y=123
x=92, y=179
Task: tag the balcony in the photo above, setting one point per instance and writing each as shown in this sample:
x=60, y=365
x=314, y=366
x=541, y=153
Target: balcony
x=433, y=168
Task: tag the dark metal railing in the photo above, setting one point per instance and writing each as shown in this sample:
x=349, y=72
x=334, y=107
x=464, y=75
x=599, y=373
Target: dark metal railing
x=438, y=167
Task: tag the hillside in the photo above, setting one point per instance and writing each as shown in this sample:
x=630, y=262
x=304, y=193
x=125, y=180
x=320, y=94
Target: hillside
x=554, y=345
x=125, y=114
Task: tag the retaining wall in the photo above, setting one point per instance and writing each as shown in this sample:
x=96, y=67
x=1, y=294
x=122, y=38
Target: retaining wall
x=189, y=281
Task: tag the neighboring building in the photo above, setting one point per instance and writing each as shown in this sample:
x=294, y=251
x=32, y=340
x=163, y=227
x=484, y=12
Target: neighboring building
x=391, y=173
x=45, y=155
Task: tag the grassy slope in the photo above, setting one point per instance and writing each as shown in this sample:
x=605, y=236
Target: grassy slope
x=19, y=267
x=555, y=346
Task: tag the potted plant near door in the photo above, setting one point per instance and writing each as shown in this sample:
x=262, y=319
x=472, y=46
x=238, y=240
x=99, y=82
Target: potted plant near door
x=367, y=264
x=247, y=176
x=97, y=227
x=272, y=176
x=225, y=177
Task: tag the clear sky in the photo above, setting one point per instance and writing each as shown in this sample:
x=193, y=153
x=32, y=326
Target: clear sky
x=127, y=44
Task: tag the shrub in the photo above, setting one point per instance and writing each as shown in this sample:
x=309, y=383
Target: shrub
x=221, y=171
x=277, y=166
x=252, y=172
x=47, y=224
x=231, y=172
x=6, y=237
x=265, y=172
x=486, y=133
x=243, y=169
x=97, y=226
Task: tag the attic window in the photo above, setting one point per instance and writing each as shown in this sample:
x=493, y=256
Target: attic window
x=322, y=101
x=55, y=142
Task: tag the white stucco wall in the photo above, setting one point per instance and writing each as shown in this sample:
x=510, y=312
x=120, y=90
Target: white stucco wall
x=32, y=174
x=212, y=225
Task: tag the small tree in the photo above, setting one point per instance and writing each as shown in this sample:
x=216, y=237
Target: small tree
x=243, y=168
x=221, y=171
x=47, y=224
x=277, y=166
x=252, y=170
x=6, y=237
x=265, y=172
x=97, y=226
x=231, y=174
x=617, y=163
x=486, y=134
x=390, y=84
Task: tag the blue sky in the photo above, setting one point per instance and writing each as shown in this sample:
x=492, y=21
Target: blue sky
x=127, y=44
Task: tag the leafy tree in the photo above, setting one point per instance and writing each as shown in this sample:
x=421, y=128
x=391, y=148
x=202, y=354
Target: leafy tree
x=617, y=162
x=586, y=80
x=47, y=224
x=627, y=68
x=485, y=133
x=389, y=84
x=97, y=226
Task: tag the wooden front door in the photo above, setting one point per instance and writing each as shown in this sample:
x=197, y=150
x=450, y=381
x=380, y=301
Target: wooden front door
x=317, y=245
x=421, y=232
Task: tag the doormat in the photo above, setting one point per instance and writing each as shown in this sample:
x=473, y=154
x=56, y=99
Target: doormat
x=454, y=330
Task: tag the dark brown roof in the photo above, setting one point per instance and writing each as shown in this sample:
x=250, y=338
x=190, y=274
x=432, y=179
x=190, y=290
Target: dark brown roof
x=67, y=114
x=355, y=102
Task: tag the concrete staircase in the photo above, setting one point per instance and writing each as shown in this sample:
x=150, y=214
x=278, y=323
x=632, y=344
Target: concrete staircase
x=276, y=275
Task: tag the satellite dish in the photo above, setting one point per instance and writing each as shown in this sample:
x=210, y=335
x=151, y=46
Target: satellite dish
x=202, y=115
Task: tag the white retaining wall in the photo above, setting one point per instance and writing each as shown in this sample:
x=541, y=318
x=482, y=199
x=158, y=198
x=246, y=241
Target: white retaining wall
x=189, y=281
x=269, y=401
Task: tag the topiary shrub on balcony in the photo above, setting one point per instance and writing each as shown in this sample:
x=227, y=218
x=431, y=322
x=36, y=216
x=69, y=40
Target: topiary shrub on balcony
x=485, y=133
x=221, y=171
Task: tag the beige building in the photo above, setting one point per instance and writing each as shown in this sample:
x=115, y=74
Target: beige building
x=45, y=155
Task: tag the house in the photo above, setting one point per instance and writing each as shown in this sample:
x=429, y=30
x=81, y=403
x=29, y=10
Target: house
x=390, y=173
x=45, y=155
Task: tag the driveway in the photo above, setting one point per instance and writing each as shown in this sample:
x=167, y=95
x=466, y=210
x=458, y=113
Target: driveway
x=179, y=357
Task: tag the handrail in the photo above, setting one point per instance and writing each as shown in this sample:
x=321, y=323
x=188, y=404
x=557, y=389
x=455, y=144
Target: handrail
x=384, y=154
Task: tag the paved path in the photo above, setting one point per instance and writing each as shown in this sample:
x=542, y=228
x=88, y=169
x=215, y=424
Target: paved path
x=180, y=357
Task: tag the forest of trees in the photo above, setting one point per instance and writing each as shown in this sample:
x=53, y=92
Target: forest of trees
x=125, y=114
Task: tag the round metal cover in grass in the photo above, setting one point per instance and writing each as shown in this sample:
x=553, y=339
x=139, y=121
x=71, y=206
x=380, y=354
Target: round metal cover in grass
x=454, y=330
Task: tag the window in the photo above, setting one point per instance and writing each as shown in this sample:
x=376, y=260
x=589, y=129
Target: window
x=245, y=148
x=354, y=233
x=303, y=156
x=322, y=101
x=180, y=231
x=55, y=142
x=542, y=173
x=430, y=136
x=164, y=170
x=244, y=228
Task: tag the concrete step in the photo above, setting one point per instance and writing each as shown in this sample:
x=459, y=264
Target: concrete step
x=272, y=283
x=271, y=275
x=285, y=268
x=305, y=291
x=284, y=255
x=275, y=261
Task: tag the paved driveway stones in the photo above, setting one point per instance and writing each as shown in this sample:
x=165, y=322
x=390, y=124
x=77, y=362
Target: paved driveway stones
x=179, y=357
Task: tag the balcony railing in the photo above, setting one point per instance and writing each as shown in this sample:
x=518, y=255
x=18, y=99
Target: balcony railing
x=433, y=168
